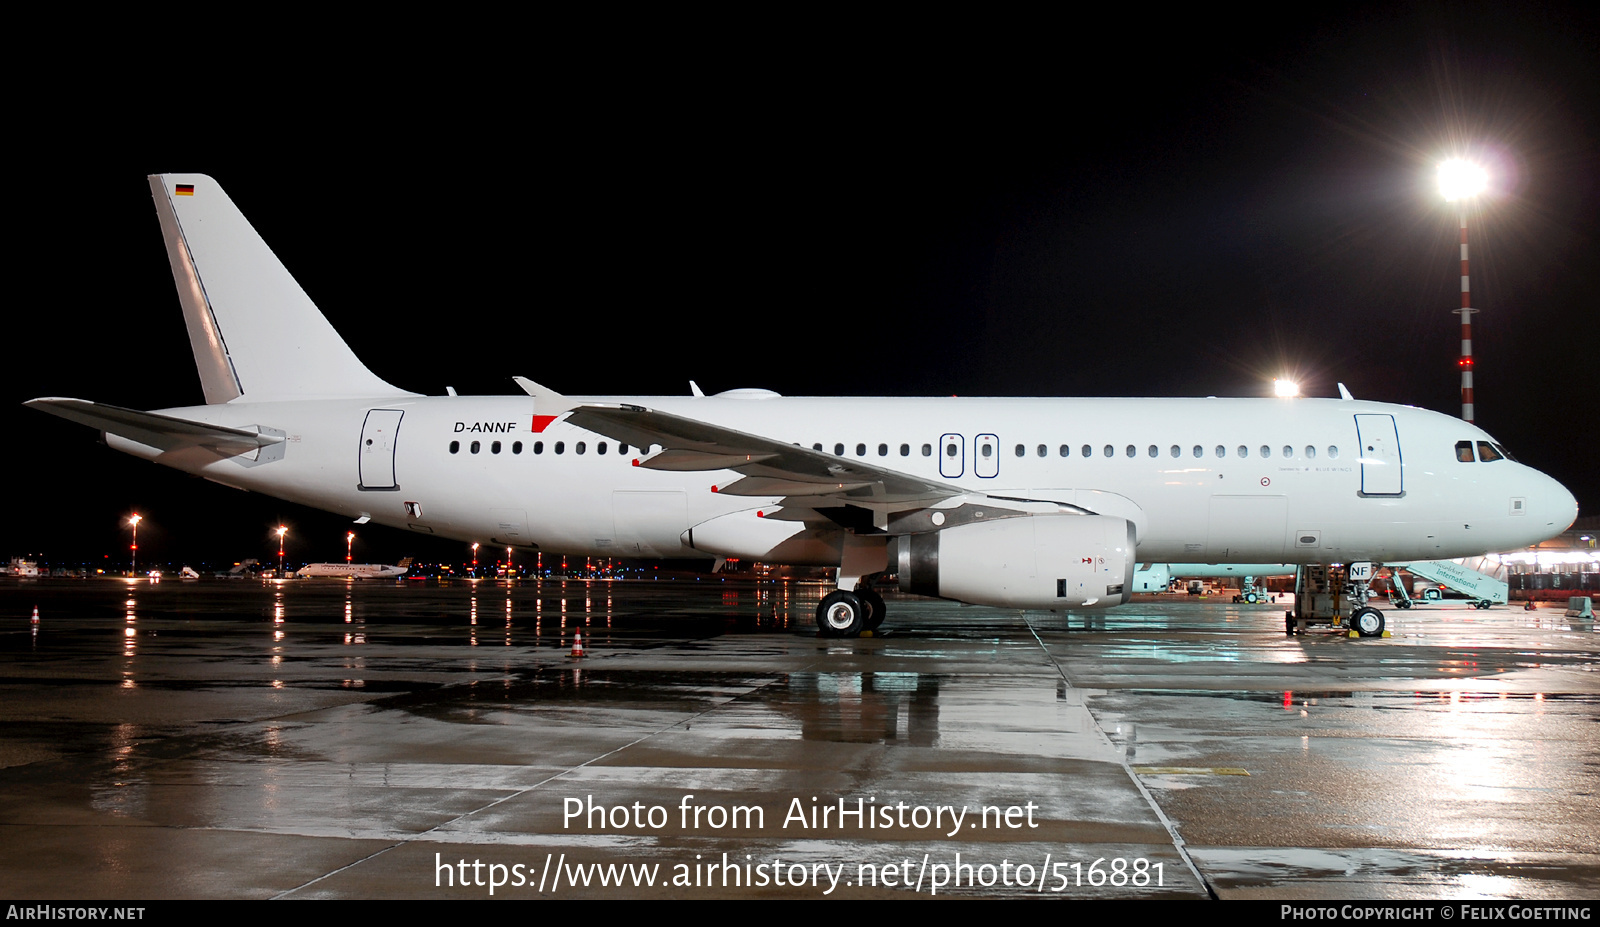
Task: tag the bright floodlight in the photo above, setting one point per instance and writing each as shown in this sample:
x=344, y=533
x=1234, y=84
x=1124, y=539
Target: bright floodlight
x=1285, y=388
x=1460, y=179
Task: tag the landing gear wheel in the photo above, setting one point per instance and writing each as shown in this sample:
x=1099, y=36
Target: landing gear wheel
x=841, y=614
x=1368, y=622
x=875, y=607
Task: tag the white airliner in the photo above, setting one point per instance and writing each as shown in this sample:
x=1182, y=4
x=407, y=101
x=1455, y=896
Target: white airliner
x=351, y=570
x=1028, y=503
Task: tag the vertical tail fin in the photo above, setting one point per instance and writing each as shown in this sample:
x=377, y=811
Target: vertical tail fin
x=254, y=331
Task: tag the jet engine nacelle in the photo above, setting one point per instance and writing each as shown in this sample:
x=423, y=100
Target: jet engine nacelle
x=1030, y=561
x=1152, y=577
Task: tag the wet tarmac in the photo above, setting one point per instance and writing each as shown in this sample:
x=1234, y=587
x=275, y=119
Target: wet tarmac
x=221, y=739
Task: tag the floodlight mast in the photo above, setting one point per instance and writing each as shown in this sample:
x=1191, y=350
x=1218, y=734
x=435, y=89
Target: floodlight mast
x=1459, y=181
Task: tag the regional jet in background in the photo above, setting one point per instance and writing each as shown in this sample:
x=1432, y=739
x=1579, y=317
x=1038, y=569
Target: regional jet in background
x=351, y=571
x=1026, y=503
x=1158, y=577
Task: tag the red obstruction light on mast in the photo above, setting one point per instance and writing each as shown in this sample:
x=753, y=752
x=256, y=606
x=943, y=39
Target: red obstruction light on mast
x=1459, y=181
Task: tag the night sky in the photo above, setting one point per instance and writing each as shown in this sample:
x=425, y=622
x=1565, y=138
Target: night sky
x=1006, y=208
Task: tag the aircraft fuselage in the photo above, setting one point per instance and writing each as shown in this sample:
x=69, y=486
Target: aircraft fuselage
x=1240, y=480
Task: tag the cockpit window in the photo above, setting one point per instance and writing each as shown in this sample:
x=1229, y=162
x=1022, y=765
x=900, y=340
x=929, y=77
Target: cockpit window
x=1505, y=453
x=1486, y=452
x=1464, y=451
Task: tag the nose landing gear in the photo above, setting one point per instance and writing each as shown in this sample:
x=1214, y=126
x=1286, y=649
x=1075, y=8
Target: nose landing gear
x=1322, y=593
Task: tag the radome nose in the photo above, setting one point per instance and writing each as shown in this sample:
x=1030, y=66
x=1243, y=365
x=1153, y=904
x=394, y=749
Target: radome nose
x=1560, y=507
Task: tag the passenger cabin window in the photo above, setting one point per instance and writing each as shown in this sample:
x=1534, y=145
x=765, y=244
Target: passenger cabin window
x=817, y=446
x=600, y=448
x=1311, y=452
x=1177, y=451
x=1244, y=451
x=1044, y=451
x=1131, y=451
x=516, y=447
x=1020, y=450
x=1266, y=451
x=905, y=450
x=1110, y=451
x=1199, y=451
x=579, y=448
x=927, y=450
x=1088, y=451
x=1066, y=451
x=883, y=450
x=1288, y=451
x=538, y=447
x=1154, y=451
x=1222, y=451
x=455, y=447
x=494, y=447
x=838, y=449
x=861, y=449
x=561, y=447
x=1486, y=452
x=473, y=447
x=1333, y=452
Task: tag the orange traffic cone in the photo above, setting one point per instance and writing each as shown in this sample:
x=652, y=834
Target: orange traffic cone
x=36, y=614
x=577, y=643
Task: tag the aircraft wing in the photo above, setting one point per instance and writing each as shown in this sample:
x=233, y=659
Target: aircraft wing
x=808, y=480
x=154, y=430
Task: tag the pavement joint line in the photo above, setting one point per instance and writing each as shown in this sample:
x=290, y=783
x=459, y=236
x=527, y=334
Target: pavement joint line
x=1172, y=830
x=537, y=785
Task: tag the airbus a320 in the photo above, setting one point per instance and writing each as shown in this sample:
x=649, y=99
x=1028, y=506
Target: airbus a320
x=1026, y=503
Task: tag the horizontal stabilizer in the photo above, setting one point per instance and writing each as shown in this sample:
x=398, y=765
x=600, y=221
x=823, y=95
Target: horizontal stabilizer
x=153, y=430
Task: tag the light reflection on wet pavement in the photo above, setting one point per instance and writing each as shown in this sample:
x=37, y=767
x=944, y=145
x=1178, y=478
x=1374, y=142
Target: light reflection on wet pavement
x=318, y=739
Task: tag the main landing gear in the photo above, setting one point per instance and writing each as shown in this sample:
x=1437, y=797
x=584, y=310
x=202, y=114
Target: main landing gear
x=847, y=614
x=854, y=608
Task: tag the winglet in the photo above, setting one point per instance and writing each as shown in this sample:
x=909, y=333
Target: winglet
x=1344, y=393
x=546, y=401
x=694, y=389
x=535, y=390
